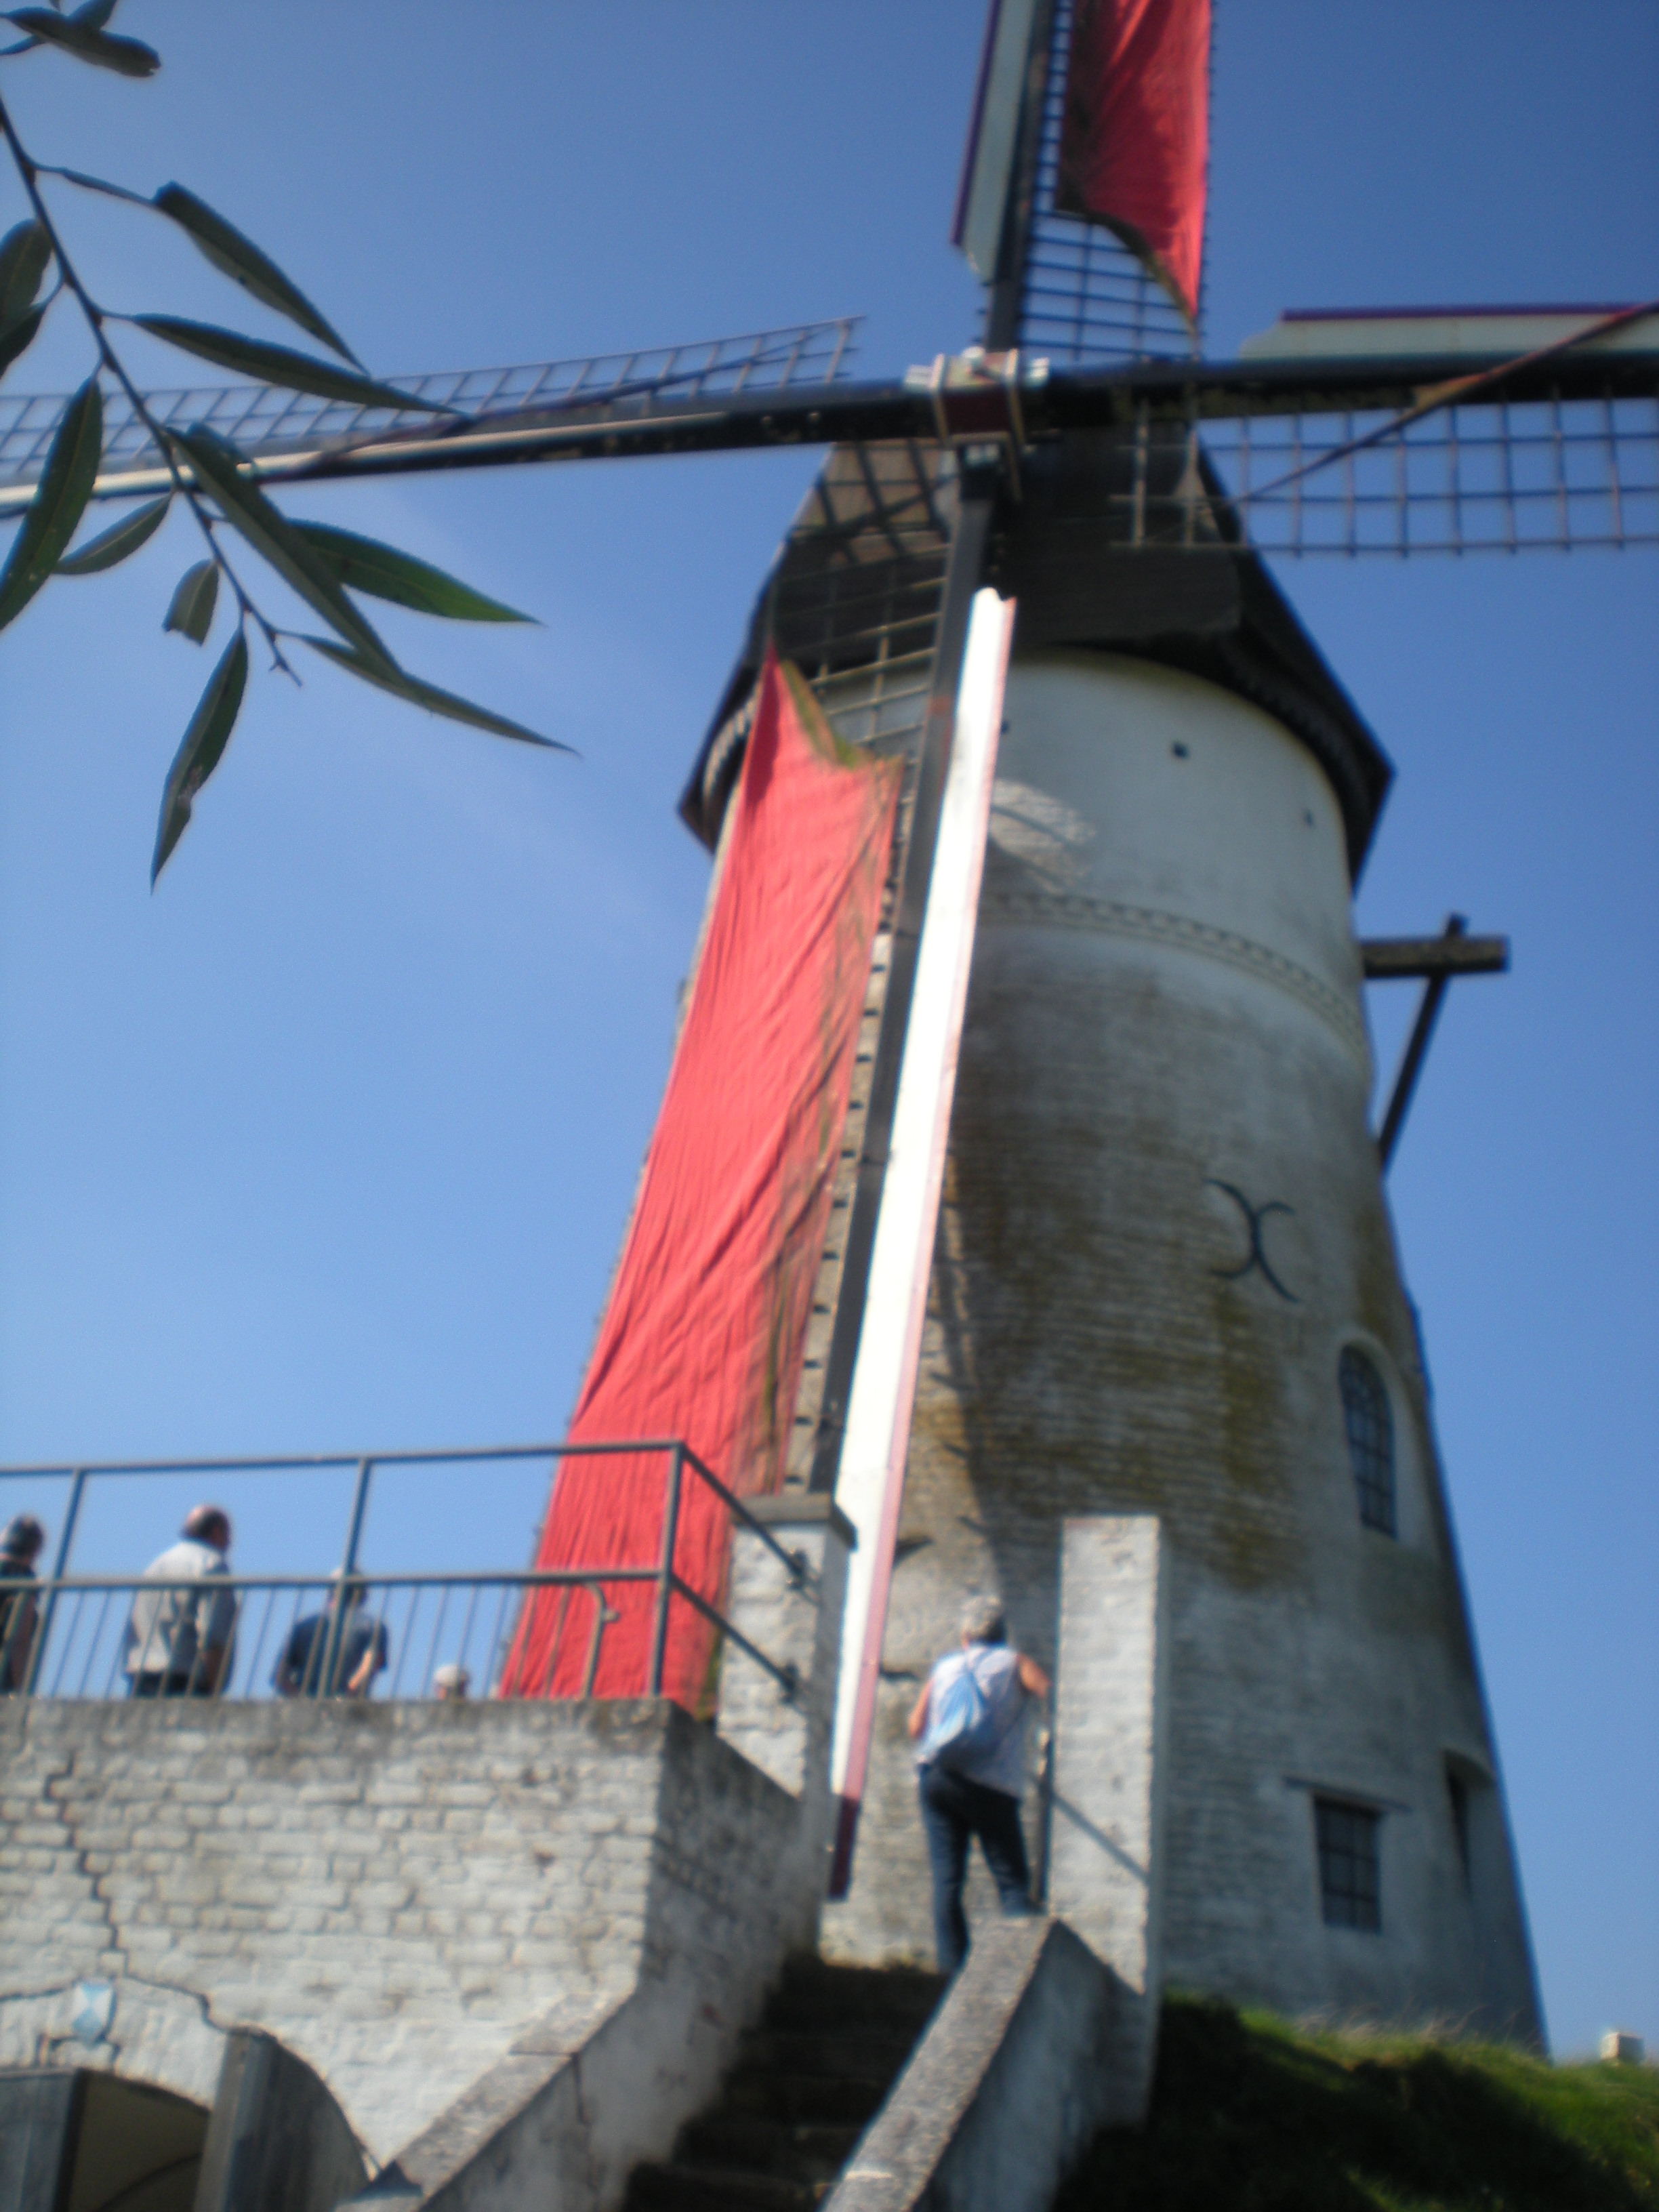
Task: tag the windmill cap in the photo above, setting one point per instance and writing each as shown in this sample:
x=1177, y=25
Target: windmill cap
x=23, y=1537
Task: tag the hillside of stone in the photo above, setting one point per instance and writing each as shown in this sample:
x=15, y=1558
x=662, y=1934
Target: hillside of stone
x=1249, y=2115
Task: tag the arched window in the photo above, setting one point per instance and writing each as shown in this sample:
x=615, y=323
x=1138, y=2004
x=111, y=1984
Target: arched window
x=1370, y=1424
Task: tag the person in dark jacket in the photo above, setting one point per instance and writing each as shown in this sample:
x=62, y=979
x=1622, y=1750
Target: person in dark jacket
x=344, y=1639
x=20, y=1548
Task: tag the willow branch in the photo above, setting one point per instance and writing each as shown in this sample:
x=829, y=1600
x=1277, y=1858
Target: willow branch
x=95, y=316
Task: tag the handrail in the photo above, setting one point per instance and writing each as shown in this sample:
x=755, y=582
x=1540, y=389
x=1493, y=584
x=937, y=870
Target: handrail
x=29, y=1608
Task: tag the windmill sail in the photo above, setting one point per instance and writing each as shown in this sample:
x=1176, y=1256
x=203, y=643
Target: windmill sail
x=1135, y=140
x=295, y=434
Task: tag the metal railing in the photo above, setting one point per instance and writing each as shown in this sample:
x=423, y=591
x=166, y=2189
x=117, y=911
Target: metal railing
x=350, y=1630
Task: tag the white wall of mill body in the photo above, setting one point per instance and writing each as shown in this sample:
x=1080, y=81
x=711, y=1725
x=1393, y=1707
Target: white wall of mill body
x=1166, y=1002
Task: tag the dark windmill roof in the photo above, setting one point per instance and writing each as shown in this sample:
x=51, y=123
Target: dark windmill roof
x=1113, y=546
x=1132, y=548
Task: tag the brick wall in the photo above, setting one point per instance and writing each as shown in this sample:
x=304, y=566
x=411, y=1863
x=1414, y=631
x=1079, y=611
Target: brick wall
x=395, y=1892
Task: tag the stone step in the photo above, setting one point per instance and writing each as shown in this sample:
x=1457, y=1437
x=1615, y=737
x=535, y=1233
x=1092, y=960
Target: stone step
x=808, y=2150
x=677, y=2188
x=808, y=2098
x=819, y=1996
x=847, y=2050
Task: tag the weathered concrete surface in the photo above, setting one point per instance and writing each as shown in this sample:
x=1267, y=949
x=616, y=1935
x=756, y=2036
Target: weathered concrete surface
x=397, y=1894
x=600, y=2082
x=796, y=1624
x=1110, y=1765
x=276, y=2142
x=1166, y=999
x=1011, y=2080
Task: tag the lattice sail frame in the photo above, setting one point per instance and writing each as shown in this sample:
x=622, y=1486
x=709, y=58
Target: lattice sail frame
x=263, y=422
x=1084, y=297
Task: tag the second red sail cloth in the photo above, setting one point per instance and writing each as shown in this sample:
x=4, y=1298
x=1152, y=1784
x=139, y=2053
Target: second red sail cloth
x=702, y=1337
x=1136, y=144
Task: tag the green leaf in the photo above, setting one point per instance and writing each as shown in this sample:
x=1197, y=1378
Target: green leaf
x=17, y=337
x=115, y=545
x=71, y=35
x=240, y=260
x=274, y=538
x=24, y=253
x=60, y=497
x=193, y=602
x=368, y=565
x=405, y=686
x=205, y=741
x=274, y=364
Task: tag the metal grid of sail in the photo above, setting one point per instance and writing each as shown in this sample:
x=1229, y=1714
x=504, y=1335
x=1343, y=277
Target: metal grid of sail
x=1502, y=478
x=1498, y=478
x=855, y=599
x=259, y=419
x=1086, y=299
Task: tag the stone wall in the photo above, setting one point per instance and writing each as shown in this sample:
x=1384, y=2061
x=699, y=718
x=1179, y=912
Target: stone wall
x=396, y=1893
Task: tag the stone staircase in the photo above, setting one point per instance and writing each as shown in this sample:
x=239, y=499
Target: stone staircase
x=807, y=2082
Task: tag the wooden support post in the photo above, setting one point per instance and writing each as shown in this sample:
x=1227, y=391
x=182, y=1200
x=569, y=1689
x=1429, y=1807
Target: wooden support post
x=1428, y=1013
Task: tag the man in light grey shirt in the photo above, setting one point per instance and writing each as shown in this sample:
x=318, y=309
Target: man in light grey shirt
x=969, y=1727
x=178, y=1640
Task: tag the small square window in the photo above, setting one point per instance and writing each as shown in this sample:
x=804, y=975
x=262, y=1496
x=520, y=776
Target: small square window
x=1350, y=1887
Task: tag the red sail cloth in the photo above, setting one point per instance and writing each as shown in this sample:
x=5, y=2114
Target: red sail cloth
x=1134, y=146
x=704, y=1334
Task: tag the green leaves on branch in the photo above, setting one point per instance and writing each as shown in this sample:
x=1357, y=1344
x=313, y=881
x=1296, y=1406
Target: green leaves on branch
x=17, y=337
x=275, y=538
x=50, y=519
x=205, y=741
x=24, y=254
x=240, y=260
x=118, y=543
x=368, y=565
x=79, y=34
x=193, y=602
x=281, y=365
x=391, y=678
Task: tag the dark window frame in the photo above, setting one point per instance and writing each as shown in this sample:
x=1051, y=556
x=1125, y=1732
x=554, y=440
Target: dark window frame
x=1368, y=1423
x=1347, y=1841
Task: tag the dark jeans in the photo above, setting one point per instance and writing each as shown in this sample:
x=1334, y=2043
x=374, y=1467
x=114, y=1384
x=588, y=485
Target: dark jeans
x=167, y=1685
x=953, y=1811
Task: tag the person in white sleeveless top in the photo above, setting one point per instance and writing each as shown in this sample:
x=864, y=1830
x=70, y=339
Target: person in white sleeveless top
x=970, y=1761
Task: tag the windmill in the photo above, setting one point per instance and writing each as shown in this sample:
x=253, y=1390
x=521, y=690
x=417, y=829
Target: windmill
x=965, y=447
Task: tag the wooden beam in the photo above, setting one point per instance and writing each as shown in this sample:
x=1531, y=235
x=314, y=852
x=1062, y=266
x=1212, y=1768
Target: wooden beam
x=1394, y=959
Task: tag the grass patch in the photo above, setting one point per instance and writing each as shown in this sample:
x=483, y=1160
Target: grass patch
x=1249, y=2115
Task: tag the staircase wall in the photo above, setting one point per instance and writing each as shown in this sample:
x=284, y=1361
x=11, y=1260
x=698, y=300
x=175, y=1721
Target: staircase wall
x=396, y=1893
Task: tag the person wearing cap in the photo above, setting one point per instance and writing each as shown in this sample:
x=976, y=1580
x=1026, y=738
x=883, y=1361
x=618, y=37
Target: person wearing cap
x=343, y=1637
x=21, y=1546
x=451, y=1682
x=971, y=1757
x=178, y=1640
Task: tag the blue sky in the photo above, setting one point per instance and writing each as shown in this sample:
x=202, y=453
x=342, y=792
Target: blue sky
x=329, y=1144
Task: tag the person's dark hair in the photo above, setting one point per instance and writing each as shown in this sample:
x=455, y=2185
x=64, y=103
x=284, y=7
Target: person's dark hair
x=24, y=1538
x=983, y=1622
x=208, y=1524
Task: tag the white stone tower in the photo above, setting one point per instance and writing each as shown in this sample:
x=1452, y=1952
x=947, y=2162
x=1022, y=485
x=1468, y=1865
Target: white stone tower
x=1166, y=1282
